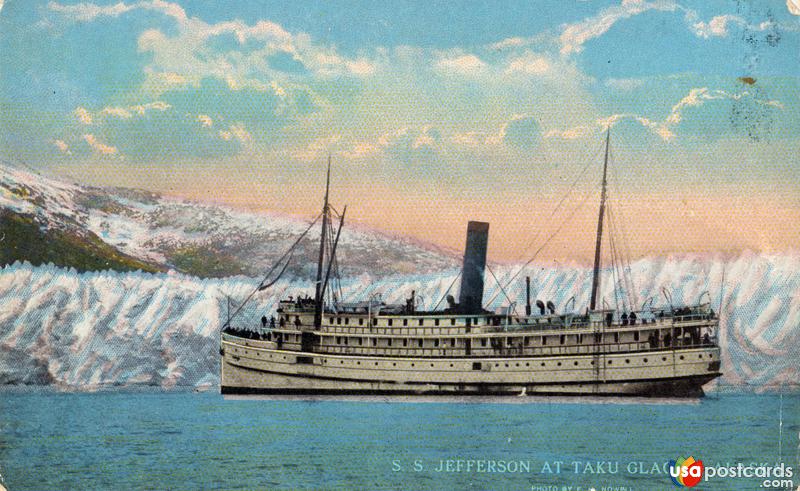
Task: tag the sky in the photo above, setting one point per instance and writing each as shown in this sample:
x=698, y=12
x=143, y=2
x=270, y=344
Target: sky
x=433, y=113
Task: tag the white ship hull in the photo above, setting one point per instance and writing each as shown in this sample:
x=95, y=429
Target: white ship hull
x=259, y=367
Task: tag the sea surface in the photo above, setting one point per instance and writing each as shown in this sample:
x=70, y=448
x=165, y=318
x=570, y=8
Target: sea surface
x=183, y=440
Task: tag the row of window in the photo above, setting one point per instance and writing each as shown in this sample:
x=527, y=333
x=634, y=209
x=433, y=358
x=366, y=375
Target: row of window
x=478, y=365
x=468, y=321
x=496, y=342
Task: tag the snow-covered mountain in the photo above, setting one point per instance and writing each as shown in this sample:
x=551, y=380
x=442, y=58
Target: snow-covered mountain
x=133, y=229
x=86, y=330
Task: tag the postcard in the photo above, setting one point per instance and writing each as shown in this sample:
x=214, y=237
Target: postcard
x=545, y=246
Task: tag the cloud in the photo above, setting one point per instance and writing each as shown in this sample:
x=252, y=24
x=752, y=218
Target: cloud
x=467, y=64
x=529, y=64
x=99, y=147
x=568, y=134
x=240, y=133
x=512, y=42
x=717, y=26
x=87, y=117
x=83, y=115
x=663, y=129
x=316, y=149
x=205, y=120
x=191, y=54
x=361, y=150
x=62, y=146
x=84, y=12
x=360, y=67
x=574, y=36
x=522, y=132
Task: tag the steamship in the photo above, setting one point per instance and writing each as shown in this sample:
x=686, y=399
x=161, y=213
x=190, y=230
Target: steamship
x=313, y=346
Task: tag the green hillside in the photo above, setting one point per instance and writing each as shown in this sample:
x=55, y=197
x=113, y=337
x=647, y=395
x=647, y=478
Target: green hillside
x=24, y=240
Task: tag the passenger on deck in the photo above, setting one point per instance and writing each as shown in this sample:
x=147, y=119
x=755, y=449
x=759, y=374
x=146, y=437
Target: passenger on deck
x=624, y=318
x=272, y=322
x=263, y=321
x=633, y=318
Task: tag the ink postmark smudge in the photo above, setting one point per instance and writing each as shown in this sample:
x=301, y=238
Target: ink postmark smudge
x=752, y=113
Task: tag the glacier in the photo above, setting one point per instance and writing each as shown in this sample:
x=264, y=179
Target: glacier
x=85, y=331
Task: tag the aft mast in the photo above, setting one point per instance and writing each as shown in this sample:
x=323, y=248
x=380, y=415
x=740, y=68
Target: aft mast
x=598, y=245
x=318, y=297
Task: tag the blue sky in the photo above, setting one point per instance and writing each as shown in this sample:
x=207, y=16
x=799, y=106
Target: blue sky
x=468, y=105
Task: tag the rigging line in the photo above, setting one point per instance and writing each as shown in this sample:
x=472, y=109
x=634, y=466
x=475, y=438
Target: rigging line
x=626, y=241
x=619, y=283
x=614, y=279
x=624, y=277
x=555, y=210
x=501, y=289
x=620, y=263
x=448, y=290
x=627, y=279
x=561, y=226
x=274, y=266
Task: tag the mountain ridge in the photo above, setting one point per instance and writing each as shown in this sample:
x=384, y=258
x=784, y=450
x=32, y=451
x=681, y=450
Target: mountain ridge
x=125, y=229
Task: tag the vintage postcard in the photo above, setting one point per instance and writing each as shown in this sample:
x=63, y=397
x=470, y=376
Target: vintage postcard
x=532, y=245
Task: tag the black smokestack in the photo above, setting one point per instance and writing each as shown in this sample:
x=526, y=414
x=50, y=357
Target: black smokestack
x=470, y=298
x=527, y=295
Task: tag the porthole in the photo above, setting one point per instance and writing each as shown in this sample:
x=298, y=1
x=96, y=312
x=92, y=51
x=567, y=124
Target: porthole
x=543, y=363
x=681, y=357
x=559, y=363
x=645, y=360
x=576, y=363
x=663, y=358
x=700, y=356
x=627, y=360
x=358, y=363
x=610, y=362
x=431, y=365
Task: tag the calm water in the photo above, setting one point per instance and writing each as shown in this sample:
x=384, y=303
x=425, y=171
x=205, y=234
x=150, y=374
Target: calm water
x=127, y=440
